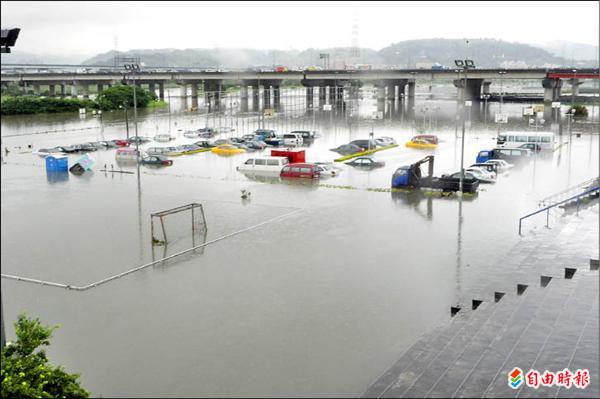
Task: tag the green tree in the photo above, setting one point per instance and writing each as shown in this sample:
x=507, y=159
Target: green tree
x=26, y=372
x=113, y=97
x=580, y=110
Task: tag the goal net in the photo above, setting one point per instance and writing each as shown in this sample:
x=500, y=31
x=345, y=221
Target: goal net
x=184, y=223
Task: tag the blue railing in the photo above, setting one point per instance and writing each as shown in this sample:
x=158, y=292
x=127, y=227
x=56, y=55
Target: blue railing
x=547, y=209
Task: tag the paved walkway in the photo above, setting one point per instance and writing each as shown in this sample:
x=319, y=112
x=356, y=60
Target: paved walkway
x=535, y=314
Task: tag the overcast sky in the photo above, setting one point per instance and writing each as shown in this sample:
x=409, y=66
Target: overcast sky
x=95, y=27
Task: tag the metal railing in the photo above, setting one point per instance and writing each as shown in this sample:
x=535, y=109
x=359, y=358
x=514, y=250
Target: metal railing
x=547, y=209
x=549, y=200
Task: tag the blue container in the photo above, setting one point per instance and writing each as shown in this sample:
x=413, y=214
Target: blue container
x=57, y=164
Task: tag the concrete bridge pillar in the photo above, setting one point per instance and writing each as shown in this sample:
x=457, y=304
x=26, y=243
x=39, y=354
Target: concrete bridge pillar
x=331, y=94
x=100, y=87
x=472, y=92
x=551, y=94
x=194, y=87
x=208, y=95
x=266, y=96
x=277, y=97
x=410, y=96
x=485, y=87
x=339, y=99
x=255, y=96
x=575, y=83
x=152, y=87
x=86, y=90
x=52, y=90
x=244, y=97
x=309, y=98
x=184, y=90
x=161, y=91
x=63, y=90
x=322, y=96
x=36, y=89
x=218, y=86
x=74, y=91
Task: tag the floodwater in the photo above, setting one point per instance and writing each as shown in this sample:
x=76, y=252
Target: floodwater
x=318, y=302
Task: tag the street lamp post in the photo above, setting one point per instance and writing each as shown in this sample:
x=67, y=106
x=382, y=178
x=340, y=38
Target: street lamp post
x=124, y=106
x=132, y=69
x=464, y=65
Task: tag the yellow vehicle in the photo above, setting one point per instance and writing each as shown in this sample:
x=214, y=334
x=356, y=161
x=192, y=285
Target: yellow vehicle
x=421, y=144
x=227, y=149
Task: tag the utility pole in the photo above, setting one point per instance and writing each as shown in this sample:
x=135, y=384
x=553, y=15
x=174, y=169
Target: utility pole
x=465, y=65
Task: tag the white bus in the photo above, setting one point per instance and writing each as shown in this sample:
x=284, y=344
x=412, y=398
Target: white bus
x=514, y=139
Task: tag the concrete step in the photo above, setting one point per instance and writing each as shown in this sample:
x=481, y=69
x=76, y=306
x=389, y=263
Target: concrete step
x=526, y=348
x=390, y=375
x=432, y=372
x=425, y=350
x=562, y=344
x=448, y=382
x=450, y=346
x=494, y=356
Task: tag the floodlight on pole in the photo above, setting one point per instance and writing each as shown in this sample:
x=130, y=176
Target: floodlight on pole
x=464, y=65
x=8, y=38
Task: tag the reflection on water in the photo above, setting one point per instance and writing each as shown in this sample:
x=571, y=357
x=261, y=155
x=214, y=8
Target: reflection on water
x=318, y=303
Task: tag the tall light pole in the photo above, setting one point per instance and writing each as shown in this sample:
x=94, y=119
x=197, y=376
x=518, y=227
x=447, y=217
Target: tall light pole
x=132, y=69
x=464, y=65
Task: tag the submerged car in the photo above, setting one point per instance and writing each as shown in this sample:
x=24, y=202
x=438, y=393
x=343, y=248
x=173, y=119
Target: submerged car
x=227, y=149
x=121, y=143
x=158, y=160
x=366, y=144
x=452, y=182
x=204, y=144
x=326, y=170
x=501, y=164
x=366, y=162
x=347, y=149
x=481, y=175
x=306, y=134
x=163, y=138
x=301, y=170
x=384, y=141
x=138, y=139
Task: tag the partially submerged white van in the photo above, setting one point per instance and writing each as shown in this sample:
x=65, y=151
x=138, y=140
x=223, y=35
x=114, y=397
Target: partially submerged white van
x=263, y=164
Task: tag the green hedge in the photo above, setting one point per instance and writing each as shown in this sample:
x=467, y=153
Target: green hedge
x=40, y=105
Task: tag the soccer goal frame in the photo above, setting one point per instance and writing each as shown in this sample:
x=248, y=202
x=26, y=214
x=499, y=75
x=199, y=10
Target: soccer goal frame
x=193, y=208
